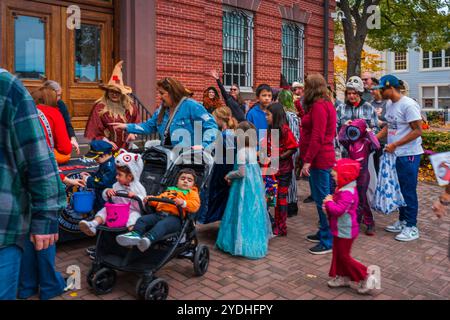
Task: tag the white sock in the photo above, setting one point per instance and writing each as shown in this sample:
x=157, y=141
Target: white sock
x=94, y=223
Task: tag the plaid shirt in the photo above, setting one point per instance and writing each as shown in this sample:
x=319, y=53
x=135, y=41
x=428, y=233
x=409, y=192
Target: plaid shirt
x=31, y=192
x=364, y=111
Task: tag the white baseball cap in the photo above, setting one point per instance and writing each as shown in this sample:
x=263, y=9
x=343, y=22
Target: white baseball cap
x=297, y=84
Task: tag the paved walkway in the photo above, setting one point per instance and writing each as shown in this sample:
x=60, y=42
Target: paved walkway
x=415, y=270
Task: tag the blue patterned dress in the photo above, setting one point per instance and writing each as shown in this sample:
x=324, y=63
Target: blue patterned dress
x=245, y=227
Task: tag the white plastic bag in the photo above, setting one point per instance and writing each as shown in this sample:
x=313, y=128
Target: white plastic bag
x=388, y=196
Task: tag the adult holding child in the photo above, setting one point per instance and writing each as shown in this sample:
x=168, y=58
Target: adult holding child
x=317, y=152
x=176, y=118
x=115, y=106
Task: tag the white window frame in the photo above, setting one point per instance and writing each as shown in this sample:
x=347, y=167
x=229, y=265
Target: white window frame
x=436, y=94
x=407, y=63
x=244, y=89
x=301, y=52
x=441, y=68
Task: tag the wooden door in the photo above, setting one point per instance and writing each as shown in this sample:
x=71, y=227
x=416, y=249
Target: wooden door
x=89, y=63
x=38, y=45
x=30, y=33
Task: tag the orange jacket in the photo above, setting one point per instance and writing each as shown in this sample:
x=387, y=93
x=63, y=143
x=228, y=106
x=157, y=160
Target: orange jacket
x=190, y=196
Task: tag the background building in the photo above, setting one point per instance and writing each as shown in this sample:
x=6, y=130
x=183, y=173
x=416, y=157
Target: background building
x=250, y=41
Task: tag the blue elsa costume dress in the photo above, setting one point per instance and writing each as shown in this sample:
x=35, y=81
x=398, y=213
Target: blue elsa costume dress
x=245, y=228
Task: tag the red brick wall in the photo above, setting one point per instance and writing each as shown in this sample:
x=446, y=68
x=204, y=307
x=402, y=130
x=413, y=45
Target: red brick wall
x=189, y=41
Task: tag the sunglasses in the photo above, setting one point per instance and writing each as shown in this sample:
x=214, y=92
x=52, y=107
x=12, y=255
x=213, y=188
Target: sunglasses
x=233, y=89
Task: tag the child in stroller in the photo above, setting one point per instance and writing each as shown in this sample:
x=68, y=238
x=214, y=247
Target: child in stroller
x=152, y=228
x=160, y=172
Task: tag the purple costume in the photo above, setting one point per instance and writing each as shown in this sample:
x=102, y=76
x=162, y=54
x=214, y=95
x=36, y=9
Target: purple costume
x=359, y=144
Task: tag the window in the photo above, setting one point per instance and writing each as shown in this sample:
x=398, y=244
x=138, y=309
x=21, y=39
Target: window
x=436, y=59
x=292, y=52
x=400, y=61
x=237, y=48
x=29, y=47
x=436, y=96
x=87, y=53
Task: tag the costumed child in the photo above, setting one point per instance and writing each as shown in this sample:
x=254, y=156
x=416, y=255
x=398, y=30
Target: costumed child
x=105, y=176
x=153, y=227
x=283, y=150
x=245, y=228
x=359, y=143
x=129, y=168
x=341, y=209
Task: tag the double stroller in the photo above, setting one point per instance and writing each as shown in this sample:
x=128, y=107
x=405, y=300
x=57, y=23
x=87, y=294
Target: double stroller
x=160, y=171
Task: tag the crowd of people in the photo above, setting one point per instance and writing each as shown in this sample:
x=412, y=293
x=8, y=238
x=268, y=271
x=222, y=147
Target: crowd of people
x=298, y=130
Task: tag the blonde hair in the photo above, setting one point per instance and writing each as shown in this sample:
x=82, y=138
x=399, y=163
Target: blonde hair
x=45, y=96
x=110, y=107
x=224, y=114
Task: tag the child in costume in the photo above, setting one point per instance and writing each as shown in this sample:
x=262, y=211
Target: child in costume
x=283, y=150
x=105, y=176
x=359, y=143
x=129, y=167
x=245, y=227
x=153, y=227
x=341, y=208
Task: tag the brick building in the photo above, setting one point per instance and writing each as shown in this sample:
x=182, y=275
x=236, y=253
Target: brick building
x=248, y=40
x=251, y=41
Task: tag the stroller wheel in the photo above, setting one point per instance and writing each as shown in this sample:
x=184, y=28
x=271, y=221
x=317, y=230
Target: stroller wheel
x=141, y=287
x=201, y=260
x=103, y=281
x=158, y=289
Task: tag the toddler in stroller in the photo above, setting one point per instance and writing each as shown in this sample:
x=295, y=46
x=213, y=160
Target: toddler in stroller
x=160, y=172
x=129, y=167
x=153, y=227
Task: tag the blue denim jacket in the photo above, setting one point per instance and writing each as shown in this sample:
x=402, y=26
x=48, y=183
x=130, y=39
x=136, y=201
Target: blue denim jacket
x=189, y=113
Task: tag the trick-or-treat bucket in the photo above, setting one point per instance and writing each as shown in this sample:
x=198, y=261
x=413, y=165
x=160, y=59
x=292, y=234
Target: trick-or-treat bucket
x=83, y=201
x=117, y=214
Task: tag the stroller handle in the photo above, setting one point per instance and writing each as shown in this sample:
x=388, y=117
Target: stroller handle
x=123, y=194
x=169, y=201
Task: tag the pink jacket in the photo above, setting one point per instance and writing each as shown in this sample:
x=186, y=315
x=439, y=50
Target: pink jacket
x=342, y=212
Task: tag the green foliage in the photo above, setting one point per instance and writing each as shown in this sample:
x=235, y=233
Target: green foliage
x=435, y=117
x=436, y=141
x=416, y=23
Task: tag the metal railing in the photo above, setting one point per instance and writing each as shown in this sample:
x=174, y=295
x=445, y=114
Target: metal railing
x=145, y=115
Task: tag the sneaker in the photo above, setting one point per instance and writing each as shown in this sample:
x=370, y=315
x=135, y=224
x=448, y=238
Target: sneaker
x=313, y=238
x=128, y=239
x=397, y=227
x=144, y=244
x=362, y=288
x=319, y=249
x=309, y=199
x=370, y=231
x=88, y=227
x=90, y=250
x=408, y=234
x=339, y=282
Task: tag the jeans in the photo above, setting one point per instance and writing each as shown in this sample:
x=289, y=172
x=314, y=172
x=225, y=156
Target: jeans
x=156, y=226
x=319, y=181
x=9, y=271
x=407, y=172
x=38, y=274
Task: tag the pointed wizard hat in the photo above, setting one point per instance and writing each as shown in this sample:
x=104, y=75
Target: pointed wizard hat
x=116, y=81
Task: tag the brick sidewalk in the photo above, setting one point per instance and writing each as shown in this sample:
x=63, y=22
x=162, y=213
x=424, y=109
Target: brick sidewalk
x=415, y=270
